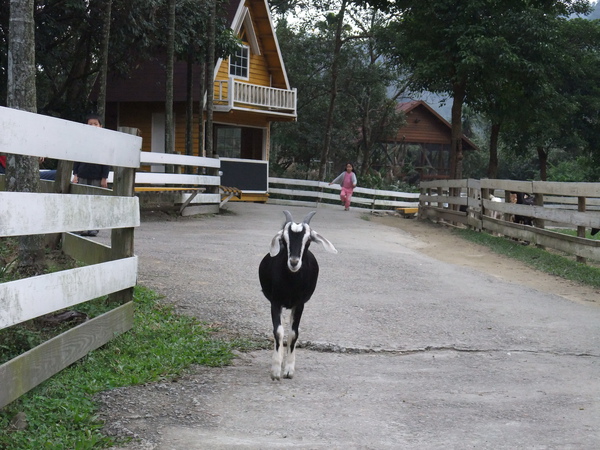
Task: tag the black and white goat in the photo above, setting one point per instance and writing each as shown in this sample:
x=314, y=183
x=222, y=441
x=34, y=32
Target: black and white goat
x=288, y=277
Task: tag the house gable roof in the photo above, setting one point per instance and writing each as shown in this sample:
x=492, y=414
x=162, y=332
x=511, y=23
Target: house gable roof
x=426, y=126
x=147, y=82
x=254, y=16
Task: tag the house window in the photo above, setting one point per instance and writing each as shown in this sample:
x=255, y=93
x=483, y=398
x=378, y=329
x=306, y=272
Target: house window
x=239, y=63
x=229, y=141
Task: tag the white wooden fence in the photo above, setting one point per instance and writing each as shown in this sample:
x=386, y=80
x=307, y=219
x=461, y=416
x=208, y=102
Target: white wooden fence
x=285, y=191
x=110, y=270
x=573, y=206
x=194, y=193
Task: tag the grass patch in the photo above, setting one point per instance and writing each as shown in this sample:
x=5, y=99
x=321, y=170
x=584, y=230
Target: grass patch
x=588, y=233
x=61, y=412
x=537, y=258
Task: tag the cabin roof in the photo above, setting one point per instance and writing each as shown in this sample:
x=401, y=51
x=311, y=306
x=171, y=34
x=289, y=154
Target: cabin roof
x=424, y=125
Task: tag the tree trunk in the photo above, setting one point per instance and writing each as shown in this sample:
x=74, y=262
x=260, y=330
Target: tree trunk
x=210, y=69
x=202, y=89
x=189, y=116
x=493, y=163
x=366, y=141
x=22, y=172
x=456, y=156
x=104, y=62
x=169, y=125
x=543, y=157
x=333, y=93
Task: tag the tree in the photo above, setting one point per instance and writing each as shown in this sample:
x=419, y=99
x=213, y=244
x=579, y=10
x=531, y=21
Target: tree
x=210, y=68
x=338, y=20
x=22, y=172
x=101, y=110
x=362, y=111
x=374, y=87
x=560, y=111
x=306, y=55
x=463, y=45
x=170, y=61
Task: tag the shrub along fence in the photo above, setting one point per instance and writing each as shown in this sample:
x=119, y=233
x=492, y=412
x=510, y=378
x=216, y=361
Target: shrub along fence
x=286, y=191
x=554, y=205
x=108, y=270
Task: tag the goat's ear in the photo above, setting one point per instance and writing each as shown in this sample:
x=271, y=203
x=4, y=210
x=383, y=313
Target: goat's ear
x=316, y=237
x=276, y=244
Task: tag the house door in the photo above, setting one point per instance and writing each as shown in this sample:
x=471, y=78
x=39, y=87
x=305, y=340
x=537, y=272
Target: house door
x=158, y=138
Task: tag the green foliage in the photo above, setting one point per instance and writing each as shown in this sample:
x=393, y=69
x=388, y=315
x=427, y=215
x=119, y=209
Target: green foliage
x=68, y=42
x=62, y=413
x=363, y=112
x=522, y=64
x=372, y=180
x=576, y=170
x=588, y=233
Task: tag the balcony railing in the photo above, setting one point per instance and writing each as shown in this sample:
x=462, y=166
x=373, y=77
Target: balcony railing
x=234, y=94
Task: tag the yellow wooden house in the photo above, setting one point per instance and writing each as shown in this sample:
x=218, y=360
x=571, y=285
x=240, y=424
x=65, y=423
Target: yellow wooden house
x=251, y=90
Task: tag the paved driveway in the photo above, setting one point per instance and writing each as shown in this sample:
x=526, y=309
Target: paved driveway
x=398, y=350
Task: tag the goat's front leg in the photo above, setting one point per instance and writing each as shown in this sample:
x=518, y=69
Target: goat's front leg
x=276, y=312
x=290, y=360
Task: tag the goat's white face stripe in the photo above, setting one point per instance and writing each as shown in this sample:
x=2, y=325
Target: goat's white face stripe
x=296, y=228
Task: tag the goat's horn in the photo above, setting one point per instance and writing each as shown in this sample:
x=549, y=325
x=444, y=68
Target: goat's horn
x=308, y=217
x=288, y=217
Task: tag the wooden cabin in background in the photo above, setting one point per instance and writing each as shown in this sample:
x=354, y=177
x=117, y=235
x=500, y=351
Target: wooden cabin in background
x=251, y=90
x=424, y=142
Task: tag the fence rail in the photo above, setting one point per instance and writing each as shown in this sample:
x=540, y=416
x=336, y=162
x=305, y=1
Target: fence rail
x=110, y=270
x=286, y=191
x=574, y=206
x=194, y=193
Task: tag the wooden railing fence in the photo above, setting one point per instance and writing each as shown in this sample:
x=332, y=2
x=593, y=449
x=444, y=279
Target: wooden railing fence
x=573, y=206
x=192, y=182
x=233, y=92
x=109, y=270
x=286, y=191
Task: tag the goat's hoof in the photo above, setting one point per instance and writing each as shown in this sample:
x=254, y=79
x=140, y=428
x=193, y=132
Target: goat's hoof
x=275, y=375
x=288, y=372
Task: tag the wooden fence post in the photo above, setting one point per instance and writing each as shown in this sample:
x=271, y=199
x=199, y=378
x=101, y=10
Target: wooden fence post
x=121, y=240
x=539, y=223
x=62, y=185
x=485, y=195
x=581, y=230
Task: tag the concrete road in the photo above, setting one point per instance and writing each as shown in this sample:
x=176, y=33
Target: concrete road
x=398, y=350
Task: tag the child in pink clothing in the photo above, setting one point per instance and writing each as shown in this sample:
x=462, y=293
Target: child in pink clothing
x=347, y=180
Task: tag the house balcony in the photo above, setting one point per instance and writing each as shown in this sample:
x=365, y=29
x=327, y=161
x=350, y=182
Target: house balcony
x=233, y=94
